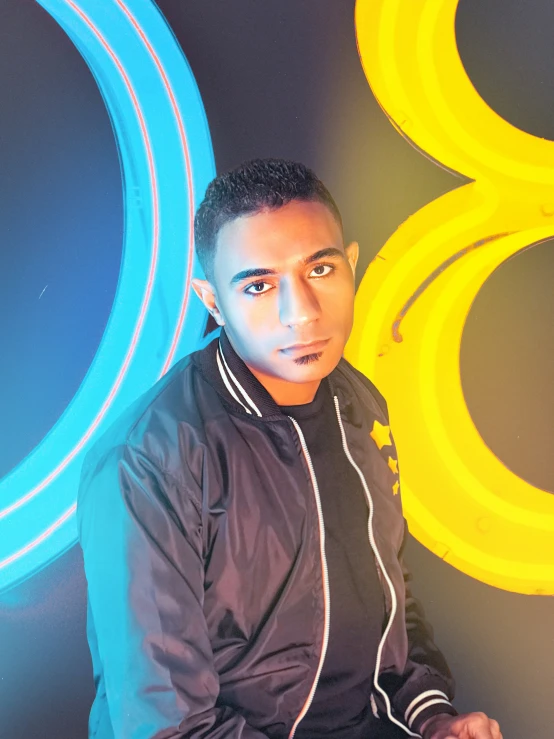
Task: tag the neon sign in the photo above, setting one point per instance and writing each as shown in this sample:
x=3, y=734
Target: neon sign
x=461, y=501
x=167, y=161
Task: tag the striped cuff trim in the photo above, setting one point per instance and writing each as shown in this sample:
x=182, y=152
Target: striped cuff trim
x=416, y=701
x=430, y=703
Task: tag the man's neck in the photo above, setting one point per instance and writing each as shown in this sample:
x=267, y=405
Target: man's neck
x=287, y=393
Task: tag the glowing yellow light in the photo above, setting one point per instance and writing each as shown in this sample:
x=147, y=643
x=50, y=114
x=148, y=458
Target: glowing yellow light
x=461, y=501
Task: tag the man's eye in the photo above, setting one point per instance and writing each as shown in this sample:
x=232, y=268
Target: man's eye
x=248, y=291
x=323, y=266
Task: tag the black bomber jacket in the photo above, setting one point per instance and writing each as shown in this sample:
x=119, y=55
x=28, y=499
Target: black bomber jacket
x=208, y=598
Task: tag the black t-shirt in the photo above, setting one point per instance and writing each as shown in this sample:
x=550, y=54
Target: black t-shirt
x=341, y=705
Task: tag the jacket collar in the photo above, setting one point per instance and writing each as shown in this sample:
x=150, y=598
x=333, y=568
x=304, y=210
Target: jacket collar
x=233, y=380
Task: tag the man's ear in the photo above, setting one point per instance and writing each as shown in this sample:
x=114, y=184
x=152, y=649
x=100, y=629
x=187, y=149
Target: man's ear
x=206, y=292
x=352, y=254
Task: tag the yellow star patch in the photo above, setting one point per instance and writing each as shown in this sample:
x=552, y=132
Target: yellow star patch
x=393, y=464
x=395, y=488
x=381, y=435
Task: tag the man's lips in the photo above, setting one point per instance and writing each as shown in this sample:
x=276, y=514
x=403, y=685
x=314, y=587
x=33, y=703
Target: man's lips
x=313, y=346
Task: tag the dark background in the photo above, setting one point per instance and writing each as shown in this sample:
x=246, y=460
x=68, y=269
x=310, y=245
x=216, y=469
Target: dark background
x=277, y=79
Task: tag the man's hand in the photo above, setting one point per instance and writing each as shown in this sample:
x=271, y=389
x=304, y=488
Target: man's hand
x=465, y=726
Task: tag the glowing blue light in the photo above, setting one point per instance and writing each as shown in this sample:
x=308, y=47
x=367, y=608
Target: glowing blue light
x=166, y=161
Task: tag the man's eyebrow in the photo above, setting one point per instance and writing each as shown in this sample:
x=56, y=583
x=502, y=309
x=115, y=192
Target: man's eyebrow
x=328, y=252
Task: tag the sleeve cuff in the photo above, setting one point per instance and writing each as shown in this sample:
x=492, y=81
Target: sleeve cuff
x=425, y=706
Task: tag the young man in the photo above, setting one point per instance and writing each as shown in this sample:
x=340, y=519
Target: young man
x=241, y=523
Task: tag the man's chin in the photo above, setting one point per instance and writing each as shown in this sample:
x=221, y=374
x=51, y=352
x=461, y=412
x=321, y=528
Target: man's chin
x=314, y=369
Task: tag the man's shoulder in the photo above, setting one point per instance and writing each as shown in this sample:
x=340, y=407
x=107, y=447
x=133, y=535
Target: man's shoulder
x=155, y=422
x=363, y=386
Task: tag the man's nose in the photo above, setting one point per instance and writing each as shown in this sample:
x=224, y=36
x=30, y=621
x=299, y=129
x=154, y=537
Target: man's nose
x=298, y=305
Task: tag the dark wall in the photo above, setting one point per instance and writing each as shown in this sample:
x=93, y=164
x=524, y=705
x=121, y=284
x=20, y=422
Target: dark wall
x=277, y=79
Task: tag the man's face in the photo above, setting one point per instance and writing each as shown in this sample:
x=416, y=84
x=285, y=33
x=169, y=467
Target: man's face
x=273, y=288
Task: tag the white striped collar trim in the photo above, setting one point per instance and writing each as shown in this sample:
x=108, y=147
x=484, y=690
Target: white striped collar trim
x=228, y=384
x=222, y=371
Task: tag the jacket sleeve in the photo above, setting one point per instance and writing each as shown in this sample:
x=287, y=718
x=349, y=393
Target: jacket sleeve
x=141, y=535
x=426, y=687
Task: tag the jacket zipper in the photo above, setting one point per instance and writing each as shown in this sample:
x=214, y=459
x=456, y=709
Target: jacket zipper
x=381, y=566
x=326, y=597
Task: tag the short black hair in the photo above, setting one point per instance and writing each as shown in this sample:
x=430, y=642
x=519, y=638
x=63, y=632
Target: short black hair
x=256, y=185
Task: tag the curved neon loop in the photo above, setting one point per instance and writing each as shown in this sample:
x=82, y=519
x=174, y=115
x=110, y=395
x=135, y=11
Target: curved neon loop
x=168, y=165
x=191, y=201
x=146, y=299
x=461, y=501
